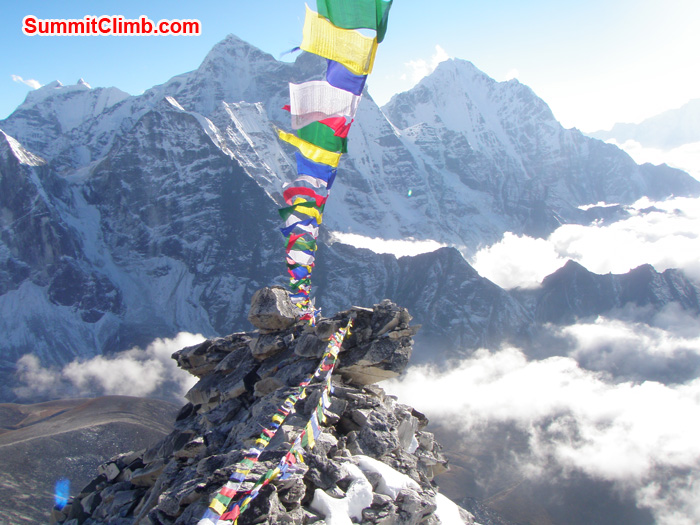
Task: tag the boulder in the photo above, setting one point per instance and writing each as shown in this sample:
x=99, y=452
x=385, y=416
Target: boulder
x=271, y=310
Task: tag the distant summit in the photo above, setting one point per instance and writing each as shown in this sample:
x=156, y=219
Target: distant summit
x=670, y=129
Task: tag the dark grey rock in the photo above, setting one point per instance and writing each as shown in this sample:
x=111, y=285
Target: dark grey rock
x=271, y=309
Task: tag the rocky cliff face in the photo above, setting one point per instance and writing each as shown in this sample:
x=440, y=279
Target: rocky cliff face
x=373, y=460
x=573, y=292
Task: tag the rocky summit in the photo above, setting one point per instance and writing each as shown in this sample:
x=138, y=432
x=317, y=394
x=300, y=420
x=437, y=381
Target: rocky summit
x=373, y=462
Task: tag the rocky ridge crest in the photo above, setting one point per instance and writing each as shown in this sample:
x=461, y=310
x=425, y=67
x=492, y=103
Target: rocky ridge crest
x=371, y=444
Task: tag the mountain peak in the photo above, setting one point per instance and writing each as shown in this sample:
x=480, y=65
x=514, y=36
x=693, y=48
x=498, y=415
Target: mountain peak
x=233, y=47
x=570, y=271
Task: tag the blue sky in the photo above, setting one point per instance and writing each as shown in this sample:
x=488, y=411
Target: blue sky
x=595, y=62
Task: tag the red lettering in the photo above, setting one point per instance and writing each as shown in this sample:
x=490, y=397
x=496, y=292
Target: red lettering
x=108, y=25
x=75, y=27
x=146, y=25
x=102, y=23
x=29, y=25
x=191, y=27
x=58, y=27
x=131, y=27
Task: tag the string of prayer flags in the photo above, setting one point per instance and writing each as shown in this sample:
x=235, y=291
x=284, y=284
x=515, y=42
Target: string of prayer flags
x=322, y=112
x=222, y=509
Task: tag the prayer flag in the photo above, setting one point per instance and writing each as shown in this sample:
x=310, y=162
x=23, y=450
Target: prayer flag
x=310, y=438
x=339, y=125
x=300, y=257
x=308, y=179
x=310, y=151
x=317, y=99
x=304, y=244
x=293, y=191
x=324, y=137
x=369, y=14
x=217, y=506
x=227, y=492
x=299, y=273
x=306, y=166
x=305, y=208
x=293, y=222
x=341, y=77
x=348, y=47
x=232, y=515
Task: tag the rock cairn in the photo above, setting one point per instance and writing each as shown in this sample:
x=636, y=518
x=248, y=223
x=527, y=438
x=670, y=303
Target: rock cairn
x=243, y=378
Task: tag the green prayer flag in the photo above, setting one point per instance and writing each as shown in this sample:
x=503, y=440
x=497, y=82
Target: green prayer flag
x=310, y=206
x=305, y=244
x=295, y=286
x=224, y=500
x=324, y=137
x=370, y=14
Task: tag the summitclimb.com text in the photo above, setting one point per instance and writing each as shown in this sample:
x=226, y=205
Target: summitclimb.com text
x=109, y=25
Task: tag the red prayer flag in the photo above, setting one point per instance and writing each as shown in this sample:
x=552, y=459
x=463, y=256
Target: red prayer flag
x=291, y=192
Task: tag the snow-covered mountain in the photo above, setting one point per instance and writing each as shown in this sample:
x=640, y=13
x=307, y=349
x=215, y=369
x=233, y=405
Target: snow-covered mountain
x=126, y=218
x=672, y=138
x=668, y=130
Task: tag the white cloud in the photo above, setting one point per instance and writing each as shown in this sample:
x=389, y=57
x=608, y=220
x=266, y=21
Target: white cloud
x=663, y=347
x=685, y=157
x=643, y=437
x=420, y=68
x=517, y=261
x=668, y=237
x=134, y=372
x=34, y=84
x=397, y=247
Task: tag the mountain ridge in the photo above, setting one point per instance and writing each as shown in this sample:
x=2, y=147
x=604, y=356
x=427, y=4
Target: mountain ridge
x=157, y=215
x=667, y=130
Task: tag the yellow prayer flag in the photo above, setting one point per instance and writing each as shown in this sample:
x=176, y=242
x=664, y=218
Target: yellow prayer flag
x=308, y=210
x=217, y=507
x=351, y=48
x=310, y=151
x=310, y=435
